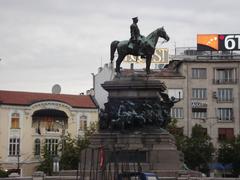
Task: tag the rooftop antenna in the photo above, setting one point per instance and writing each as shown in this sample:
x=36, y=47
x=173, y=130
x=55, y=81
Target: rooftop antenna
x=101, y=61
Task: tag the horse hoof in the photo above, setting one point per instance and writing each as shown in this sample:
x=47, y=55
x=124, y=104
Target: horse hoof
x=118, y=74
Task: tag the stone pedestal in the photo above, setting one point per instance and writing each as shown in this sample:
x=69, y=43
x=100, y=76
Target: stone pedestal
x=154, y=150
x=132, y=134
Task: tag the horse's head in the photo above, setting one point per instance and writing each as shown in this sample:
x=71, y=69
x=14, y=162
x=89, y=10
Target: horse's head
x=162, y=33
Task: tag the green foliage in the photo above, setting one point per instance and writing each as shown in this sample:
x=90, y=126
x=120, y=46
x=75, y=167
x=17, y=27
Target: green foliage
x=3, y=173
x=177, y=133
x=229, y=153
x=46, y=164
x=70, y=151
x=73, y=147
x=198, y=150
x=70, y=155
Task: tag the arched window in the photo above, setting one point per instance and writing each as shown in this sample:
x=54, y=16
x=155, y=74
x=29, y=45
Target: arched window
x=15, y=121
x=37, y=147
x=83, y=123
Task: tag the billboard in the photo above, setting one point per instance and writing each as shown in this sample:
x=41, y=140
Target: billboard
x=160, y=56
x=218, y=42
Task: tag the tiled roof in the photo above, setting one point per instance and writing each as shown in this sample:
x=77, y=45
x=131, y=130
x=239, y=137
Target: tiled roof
x=28, y=98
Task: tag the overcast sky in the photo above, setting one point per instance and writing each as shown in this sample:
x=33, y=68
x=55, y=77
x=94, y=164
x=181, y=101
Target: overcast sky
x=47, y=42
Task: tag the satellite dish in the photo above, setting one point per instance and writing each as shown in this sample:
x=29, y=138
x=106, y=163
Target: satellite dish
x=56, y=89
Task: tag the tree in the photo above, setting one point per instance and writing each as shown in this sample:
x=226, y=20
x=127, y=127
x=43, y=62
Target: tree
x=177, y=132
x=74, y=146
x=198, y=150
x=46, y=164
x=69, y=155
x=229, y=153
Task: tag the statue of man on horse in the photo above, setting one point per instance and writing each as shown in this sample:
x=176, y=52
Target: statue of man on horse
x=136, y=40
x=138, y=45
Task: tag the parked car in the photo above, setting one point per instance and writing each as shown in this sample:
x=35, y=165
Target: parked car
x=137, y=176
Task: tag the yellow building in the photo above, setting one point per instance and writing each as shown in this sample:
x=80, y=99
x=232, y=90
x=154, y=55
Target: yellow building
x=28, y=121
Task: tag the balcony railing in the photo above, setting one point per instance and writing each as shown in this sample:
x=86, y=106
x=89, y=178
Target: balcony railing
x=225, y=120
x=225, y=100
x=45, y=131
x=225, y=81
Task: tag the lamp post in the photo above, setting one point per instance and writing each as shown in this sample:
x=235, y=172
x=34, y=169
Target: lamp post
x=18, y=163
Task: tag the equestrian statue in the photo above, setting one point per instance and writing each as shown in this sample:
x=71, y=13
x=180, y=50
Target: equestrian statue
x=137, y=45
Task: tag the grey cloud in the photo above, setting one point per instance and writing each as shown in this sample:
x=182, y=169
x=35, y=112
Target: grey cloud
x=60, y=41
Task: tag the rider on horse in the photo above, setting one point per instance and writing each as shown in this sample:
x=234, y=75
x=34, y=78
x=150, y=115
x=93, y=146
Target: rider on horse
x=136, y=40
x=146, y=47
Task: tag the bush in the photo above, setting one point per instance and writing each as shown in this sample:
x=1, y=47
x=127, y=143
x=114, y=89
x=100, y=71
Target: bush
x=3, y=173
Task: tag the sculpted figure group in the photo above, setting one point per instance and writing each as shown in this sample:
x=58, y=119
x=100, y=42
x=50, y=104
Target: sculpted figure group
x=132, y=114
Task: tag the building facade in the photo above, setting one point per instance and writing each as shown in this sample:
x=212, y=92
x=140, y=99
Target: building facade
x=29, y=121
x=105, y=73
x=210, y=95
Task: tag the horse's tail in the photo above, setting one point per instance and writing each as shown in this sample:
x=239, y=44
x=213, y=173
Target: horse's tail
x=113, y=49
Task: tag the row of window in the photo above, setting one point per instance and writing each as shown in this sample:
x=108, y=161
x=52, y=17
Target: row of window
x=223, y=133
x=50, y=144
x=222, y=94
x=223, y=114
x=221, y=75
x=49, y=125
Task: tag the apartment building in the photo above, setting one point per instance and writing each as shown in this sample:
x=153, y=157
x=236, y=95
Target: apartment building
x=210, y=95
x=29, y=121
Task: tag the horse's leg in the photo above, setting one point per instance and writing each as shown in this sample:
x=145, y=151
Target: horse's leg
x=118, y=63
x=148, y=63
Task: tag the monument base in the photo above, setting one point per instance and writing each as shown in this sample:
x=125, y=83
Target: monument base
x=149, y=150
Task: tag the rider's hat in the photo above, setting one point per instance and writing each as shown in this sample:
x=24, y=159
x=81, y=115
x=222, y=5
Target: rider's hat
x=135, y=18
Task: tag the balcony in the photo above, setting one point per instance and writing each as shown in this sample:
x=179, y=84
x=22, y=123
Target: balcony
x=47, y=131
x=225, y=100
x=225, y=81
x=225, y=120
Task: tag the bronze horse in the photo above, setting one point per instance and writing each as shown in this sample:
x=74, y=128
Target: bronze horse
x=148, y=47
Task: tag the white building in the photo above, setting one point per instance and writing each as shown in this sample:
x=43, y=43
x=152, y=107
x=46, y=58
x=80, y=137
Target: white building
x=29, y=121
x=105, y=73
